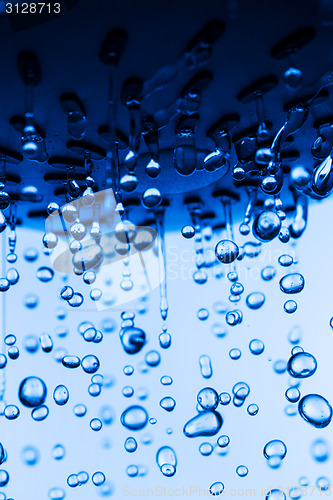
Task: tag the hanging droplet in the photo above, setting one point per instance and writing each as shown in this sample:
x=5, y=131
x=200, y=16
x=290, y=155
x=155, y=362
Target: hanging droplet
x=151, y=198
x=226, y=251
x=266, y=226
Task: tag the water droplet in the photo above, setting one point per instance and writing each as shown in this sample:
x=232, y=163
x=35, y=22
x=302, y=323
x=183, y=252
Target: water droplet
x=44, y=274
x=80, y=410
x=290, y=306
x=208, y=398
x=61, y=395
x=132, y=339
x=4, y=284
x=95, y=424
x=234, y=318
x=151, y=198
x=320, y=450
x=46, y=342
x=224, y=398
x=90, y=363
x=256, y=347
x=188, y=232
x=134, y=418
x=226, y=251
x=242, y=470
x=30, y=455
x=130, y=445
x=58, y=452
x=40, y=413
x=292, y=283
x=268, y=273
x=292, y=394
x=216, y=489
x=202, y=314
x=11, y=412
x=168, y=403
x=223, y=441
x=315, y=410
x=252, y=409
x=153, y=358
x=71, y=361
x=50, y=240
x=206, y=449
x=98, y=478
x=66, y=292
x=12, y=276
x=235, y=354
x=302, y=365
x=255, y=300
x=323, y=483
x=207, y=423
x=32, y=392
x=206, y=369
x=167, y=461
x=275, y=451
x=76, y=300
x=275, y=494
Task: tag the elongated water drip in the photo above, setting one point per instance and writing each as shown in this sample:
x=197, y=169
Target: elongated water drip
x=296, y=117
x=151, y=138
x=252, y=193
x=195, y=214
x=262, y=128
x=322, y=180
x=298, y=226
x=132, y=100
x=164, y=307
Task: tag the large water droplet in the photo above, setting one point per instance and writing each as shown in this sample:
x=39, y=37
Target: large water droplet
x=315, y=410
x=134, y=418
x=207, y=423
x=302, y=365
x=32, y=392
x=292, y=283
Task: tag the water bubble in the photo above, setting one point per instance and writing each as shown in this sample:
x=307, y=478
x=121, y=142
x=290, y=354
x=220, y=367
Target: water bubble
x=295, y=335
x=226, y=251
x=166, y=380
x=235, y=354
x=30, y=455
x=302, y=365
x=58, y=452
x=290, y=306
x=236, y=288
x=165, y=340
x=208, y=398
x=188, y=232
x=96, y=294
x=80, y=410
x=304, y=481
x=76, y=300
x=46, y=342
x=90, y=363
x=95, y=424
x=275, y=494
x=128, y=391
x=206, y=449
x=13, y=352
x=241, y=390
x=207, y=423
x=151, y=198
x=234, y=318
x=132, y=339
x=202, y=314
x=10, y=339
x=56, y=494
x=256, y=347
x=252, y=409
x=242, y=470
x=40, y=413
x=293, y=78
x=11, y=412
x=130, y=445
x=266, y=226
x=61, y=395
x=3, y=361
x=292, y=394
x=4, y=284
x=166, y=460
x=168, y=403
x=268, y=273
x=200, y=277
x=4, y=477
x=218, y=330
x=44, y=274
x=12, y=276
x=32, y=392
x=255, y=300
x=280, y=366
x=275, y=451
x=223, y=441
x=292, y=283
x=66, y=292
x=224, y=398
x=232, y=276
x=134, y=418
x=206, y=369
x=153, y=358
x=50, y=240
x=89, y=257
x=216, y=489
x=98, y=478
x=323, y=483
x=315, y=410
x=71, y=361
x=320, y=450
x=128, y=370
x=285, y=260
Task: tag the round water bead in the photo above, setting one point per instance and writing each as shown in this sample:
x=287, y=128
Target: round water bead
x=71, y=361
x=44, y=274
x=13, y=352
x=3, y=361
x=268, y=273
x=234, y=318
x=223, y=441
x=168, y=403
x=128, y=391
x=151, y=198
x=32, y=392
x=208, y=398
x=166, y=380
x=275, y=494
x=12, y=276
x=61, y=395
x=30, y=455
x=98, y=478
x=275, y=451
x=242, y=470
x=320, y=450
x=216, y=489
x=295, y=335
x=266, y=226
x=80, y=410
x=188, y=232
x=134, y=418
x=153, y=358
x=255, y=300
x=10, y=339
x=292, y=283
x=58, y=452
x=66, y=292
x=252, y=409
x=164, y=340
x=292, y=394
x=235, y=354
x=11, y=412
x=50, y=240
x=256, y=347
x=202, y=314
x=226, y=251
x=285, y=260
x=4, y=284
x=323, y=483
x=293, y=78
x=302, y=365
x=90, y=363
x=128, y=370
x=315, y=410
x=96, y=424
x=76, y=300
x=290, y=306
x=40, y=413
x=4, y=477
x=224, y=398
x=280, y=366
x=56, y=494
x=130, y=445
x=206, y=449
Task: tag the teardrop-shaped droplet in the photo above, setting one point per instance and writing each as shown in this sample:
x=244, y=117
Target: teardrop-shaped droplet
x=207, y=423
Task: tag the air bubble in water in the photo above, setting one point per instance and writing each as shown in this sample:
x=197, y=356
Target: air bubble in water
x=153, y=358
x=95, y=424
x=202, y=314
x=168, y=403
x=188, y=232
x=242, y=470
x=252, y=409
x=266, y=226
x=292, y=283
x=223, y=441
x=256, y=347
x=130, y=445
x=268, y=273
x=71, y=361
x=235, y=354
x=315, y=410
x=323, y=483
x=292, y=394
x=30, y=455
x=61, y=395
x=50, y=240
x=206, y=369
x=275, y=451
x=32, y=392
x=76, y=300
x=90, y=363
x=134, y=418
x=255, y=300
x=58, y=452
x=207, y=423
x=12, y=276
x=302, y=365
x=216, y=489
x=98, y=478
x=132, y=339
x=206, y=449
x=167, y=461
x=208, y=398
x=44, y=274
x=320, y=450
x=80, y=410
x=40, y=413
x=224, y=398
x=234, y=318
x=290, y=306
x=226, y=251
x=285, y=260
